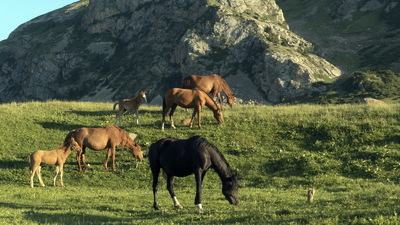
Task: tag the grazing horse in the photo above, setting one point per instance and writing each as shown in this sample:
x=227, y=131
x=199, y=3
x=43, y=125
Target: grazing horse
x=101, y=138
x=189, y=98
x=126, y=105
x=213, y=84
x=184, y=157
x=54, y=157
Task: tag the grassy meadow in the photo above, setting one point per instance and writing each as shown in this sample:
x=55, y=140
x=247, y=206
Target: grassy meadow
x=348, y=153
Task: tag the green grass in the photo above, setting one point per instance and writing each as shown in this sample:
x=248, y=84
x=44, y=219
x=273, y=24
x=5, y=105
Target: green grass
x=349, y=153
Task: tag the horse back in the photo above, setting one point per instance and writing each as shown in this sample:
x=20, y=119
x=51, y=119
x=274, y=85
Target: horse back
x=48, y=157
x=182, y=97
x=178, y=157
x=93, y=138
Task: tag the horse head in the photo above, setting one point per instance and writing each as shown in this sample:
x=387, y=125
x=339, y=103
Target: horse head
x=218, y=116
x=143, y=96
x=74, y=145
x=231, y=100
x=136, y=151
x=230, y=190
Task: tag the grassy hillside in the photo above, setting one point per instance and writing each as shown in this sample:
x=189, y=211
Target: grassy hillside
x=349, y=153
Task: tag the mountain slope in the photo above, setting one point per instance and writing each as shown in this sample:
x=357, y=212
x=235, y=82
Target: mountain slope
x=106, y=50
x=352, y=34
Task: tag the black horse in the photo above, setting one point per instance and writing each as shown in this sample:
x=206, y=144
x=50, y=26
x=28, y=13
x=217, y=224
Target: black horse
x=184, y=157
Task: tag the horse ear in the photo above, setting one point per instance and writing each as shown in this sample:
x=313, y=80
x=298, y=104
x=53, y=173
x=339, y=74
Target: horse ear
x=72, y=139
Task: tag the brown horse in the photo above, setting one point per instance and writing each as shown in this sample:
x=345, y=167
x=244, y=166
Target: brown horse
x=189, y=98
x=213, y=84
x=126, y=105
x=54, y=157
x=101, y=138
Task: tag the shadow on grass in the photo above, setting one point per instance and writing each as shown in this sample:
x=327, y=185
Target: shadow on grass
x=85, y=218
x=93, y=113
x=112, y=112
x=8, y=164
x=70, y=218
x=61, y=126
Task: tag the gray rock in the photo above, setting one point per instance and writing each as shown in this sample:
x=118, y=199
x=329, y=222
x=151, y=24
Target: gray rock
x=107, y=50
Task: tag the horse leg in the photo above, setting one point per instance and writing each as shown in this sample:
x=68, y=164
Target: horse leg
x=199, y=176
x=199, y=117
x=105, y=166
x=83, y=158
x=164, y=113
x=55, y=177
x=39, y=175
x=61, y=175
x=171, y=115
x=220, y=99
x=155, y=171
x=121, y=111
x=32, y=173
x=191, y=120
x=170, y=187
x=117, y=118
x=137, y=117
x=80, y=157
x=78, y=161
x=113, y=159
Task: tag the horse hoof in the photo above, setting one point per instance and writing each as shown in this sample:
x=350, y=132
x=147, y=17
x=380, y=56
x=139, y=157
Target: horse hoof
x=178, y=207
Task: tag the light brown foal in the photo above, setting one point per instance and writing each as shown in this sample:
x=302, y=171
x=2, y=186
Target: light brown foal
x=53, y=157
x=126, y=105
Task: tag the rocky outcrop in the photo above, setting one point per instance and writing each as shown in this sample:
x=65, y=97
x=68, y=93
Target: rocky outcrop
x=104, y=50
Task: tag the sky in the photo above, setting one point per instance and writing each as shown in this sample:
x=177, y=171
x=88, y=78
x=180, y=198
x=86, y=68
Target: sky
x=16, y=12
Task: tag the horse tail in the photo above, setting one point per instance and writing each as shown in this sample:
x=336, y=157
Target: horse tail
x=164, y=104
x=115, y=105
x=31, y=161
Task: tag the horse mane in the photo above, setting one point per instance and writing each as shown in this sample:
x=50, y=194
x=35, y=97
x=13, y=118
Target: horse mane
x=67, y=139
x=187, y=82
x=202, y=143
x=136, y=98
x=207, y=96
x=224, y=86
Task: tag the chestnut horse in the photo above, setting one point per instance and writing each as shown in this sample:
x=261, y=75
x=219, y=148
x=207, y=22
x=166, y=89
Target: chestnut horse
x=213, y=84
x=126, y=105
x=189, y=98
x=101, y=138
x=54, y=157
x=184, y=157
